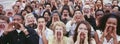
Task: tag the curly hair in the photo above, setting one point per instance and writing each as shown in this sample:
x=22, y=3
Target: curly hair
x=104, y=19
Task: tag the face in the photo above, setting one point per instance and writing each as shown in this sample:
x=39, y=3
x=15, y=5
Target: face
x=65, y=14
x=83, y=29
x=30, y=19
x=3, y=23
x=111, y=22
x=29, y=10
x=41, y=23
x=115, y=9
x=66, y=1
x=78, y=16
x=16, y=9
x=47, y=17
x=48, y=7
x=55, y=17
x=86, y=10
x=115, y=3
x=33, y=5
x=59, y=31
x=99, y=14
x=17, y=19
x=24, y=13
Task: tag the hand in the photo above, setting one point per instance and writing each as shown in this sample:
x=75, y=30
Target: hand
x=86, y=38
x=105, y=33
x=9, y=27
x=113, y=33
x=78, y=36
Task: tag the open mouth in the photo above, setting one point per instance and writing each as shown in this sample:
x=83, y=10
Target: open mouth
x=65, y=15
x=2, y=26
x=58, y=34
x=82, y=36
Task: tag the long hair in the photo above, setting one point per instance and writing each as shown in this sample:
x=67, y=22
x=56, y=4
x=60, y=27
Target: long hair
x=88, y=28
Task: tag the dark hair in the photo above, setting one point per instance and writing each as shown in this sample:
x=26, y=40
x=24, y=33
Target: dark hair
x=20, y=16
x=2, y=17
x=40, y=17
x=47, y=12
x=47, y=4
x=116, y=6
x=88, y=28
x=28, y=6
x=115, y=0
x=66, y=7
x=104, y=19
x=98, y=10
x=1, y=5
x=15, y=6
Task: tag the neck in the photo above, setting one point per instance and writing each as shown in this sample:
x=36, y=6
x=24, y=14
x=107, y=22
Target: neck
x=108, y=37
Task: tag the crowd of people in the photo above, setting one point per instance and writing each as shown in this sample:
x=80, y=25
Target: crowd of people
x=60, y=22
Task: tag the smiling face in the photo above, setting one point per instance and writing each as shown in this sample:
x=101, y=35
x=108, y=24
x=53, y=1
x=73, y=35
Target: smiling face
x=83, y=29
x=30, y=19
x=78, y=16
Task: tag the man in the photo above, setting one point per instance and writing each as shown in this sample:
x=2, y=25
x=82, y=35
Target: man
x=15, y=33
x=41, y=34
x=3, y=23
x=42, y=27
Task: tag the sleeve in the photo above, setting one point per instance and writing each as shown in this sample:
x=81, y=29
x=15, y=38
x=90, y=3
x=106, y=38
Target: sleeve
x=93, y=41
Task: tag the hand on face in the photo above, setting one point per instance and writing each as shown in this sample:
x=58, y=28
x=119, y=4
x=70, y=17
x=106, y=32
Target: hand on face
x=58, y=34
x=82, y=35
x=110, y=29
x=41, y=28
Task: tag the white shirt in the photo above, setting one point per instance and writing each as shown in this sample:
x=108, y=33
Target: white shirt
x=48, y=33
x=105, y=41
x=1, y=32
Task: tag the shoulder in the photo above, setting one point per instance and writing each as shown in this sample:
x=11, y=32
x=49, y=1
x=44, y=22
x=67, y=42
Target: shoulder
x=92, y=41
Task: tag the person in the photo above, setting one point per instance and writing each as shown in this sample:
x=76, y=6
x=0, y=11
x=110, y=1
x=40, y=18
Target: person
x=42, y=30
x=1, y=10
x=88, y=15
x=98, y=15
x=59, y=32
x=30, y=21
x=15, y=32
x=47, y=15
x=3, y=23
x=65, y=15
x=109, y=33
x=70, y=26
x=82, y=34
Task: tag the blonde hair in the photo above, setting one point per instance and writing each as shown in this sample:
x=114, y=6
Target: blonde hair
x=59, y=23
x=29, y=15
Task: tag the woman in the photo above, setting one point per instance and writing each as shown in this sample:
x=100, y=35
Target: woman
x=47, y=15
x=59, y=32
x=82, y=34
x=109, y=25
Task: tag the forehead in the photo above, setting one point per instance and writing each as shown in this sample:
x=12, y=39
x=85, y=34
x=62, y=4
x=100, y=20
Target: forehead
x=112, y=20
x=17, y=16
x=58, y=27
x=82, y=25
x=41, y=19
x=2, y=20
